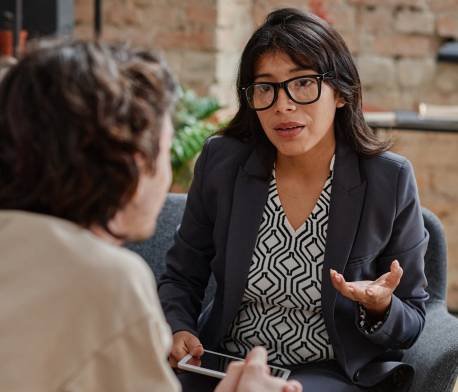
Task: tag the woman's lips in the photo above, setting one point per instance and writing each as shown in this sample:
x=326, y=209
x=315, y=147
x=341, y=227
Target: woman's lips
x=289, y=129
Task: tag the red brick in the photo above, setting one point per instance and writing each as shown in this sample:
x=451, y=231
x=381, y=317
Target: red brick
x=382, y=99
x=364, y=2
x=416, y=72
x=409, y=21
x=262, y=7
x=405, y=45
x=343, y=18
x=387, y=3
x=201, y=15
x=114, y=16
x=442, y=5
x=352, y=39
x=84, y=11
x=203, y=40
x=377, y=72
x=447, y=24
x=377, y=20
x=84, y=31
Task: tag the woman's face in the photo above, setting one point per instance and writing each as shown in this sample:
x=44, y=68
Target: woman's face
x=295, y=129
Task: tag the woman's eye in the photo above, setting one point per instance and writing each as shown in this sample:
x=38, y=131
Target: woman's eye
x=264, y=88
x=303, y=82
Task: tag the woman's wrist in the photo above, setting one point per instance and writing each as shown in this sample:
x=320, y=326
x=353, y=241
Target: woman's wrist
x=377, y=312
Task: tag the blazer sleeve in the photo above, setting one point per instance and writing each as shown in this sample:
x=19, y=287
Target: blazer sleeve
x=182, y=287
x=407, y=244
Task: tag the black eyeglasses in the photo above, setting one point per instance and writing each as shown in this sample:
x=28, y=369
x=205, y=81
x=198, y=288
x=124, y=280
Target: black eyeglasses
x=301, y=89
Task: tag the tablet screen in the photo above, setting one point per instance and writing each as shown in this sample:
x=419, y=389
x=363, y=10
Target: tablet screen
x=219, y=363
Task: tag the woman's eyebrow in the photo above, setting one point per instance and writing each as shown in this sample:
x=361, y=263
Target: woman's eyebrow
x=299, y=69
x=263, y=75
x=292, y=70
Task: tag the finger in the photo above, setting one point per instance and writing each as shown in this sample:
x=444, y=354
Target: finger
x=232, y=377
x=256, y=361
x=337, y=280
x=172, y=361
x=391, y=278
x=178, y=352
x=257, y=354
x=193, y=346
x=339, y=283
x=292, y=386
x=194, y=361
x=382, y=279
x=197, y=351
x=395, y=275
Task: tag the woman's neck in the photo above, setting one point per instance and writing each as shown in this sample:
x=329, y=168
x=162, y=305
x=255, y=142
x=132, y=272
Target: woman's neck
x=313, y=163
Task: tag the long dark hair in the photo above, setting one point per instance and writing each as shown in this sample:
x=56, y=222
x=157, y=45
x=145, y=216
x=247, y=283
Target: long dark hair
x=311, y=43
x=72, y=118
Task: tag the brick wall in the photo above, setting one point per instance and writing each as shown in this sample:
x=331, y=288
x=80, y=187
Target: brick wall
x=394, y=43
x=183, y=30
x=434, y=157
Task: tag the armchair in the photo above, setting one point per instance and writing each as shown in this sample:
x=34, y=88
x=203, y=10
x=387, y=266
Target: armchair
x=434, y=355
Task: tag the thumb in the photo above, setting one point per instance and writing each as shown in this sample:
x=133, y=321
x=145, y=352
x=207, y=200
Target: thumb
x=258, y=354
x=232, y=378
x=395, y=274
x=194, y=346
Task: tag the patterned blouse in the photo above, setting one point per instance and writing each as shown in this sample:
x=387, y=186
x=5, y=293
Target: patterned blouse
x=281, y=305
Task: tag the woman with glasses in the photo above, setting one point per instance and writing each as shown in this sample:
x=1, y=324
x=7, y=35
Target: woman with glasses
x=312, y=230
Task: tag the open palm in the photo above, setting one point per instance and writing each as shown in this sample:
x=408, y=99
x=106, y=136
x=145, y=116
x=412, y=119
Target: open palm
x=374, y=295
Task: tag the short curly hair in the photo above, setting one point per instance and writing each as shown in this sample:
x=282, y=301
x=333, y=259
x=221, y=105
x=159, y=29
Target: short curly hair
x=73, y=117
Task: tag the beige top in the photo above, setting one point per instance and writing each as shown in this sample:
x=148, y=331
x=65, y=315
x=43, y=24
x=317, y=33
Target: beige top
x=76, y=313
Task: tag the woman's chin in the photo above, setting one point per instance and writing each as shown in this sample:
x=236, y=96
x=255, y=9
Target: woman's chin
x=292, y=150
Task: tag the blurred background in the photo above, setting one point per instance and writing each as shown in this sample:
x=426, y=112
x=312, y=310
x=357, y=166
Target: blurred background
x=406, y=52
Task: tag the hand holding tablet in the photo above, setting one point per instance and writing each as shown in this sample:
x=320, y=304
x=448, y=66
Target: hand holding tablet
x=184, y=343
x=251, y=374
x=215, y=365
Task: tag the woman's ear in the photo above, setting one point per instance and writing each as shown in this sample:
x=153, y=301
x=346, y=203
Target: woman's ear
x=340, y=102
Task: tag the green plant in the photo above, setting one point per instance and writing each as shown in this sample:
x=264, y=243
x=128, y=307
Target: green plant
x=193, y=125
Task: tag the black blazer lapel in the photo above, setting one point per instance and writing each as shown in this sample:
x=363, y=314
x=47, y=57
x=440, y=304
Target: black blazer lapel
x=249, y=198
x=347, y=199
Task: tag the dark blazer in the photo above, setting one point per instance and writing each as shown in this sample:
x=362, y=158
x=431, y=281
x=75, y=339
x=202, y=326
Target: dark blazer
x=374, y=218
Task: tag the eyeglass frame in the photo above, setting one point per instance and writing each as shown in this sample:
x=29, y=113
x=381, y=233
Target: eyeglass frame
x=329, y=75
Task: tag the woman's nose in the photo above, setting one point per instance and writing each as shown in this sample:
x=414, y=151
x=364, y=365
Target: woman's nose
x=284, y=103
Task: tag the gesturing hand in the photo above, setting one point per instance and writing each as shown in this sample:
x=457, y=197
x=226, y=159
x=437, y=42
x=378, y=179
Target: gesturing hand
x=374, y=295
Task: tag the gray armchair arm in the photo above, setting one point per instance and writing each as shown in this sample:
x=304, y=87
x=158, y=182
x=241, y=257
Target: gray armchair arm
x=435, y=354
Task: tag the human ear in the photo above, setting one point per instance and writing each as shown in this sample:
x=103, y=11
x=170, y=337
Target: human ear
x=340, y=102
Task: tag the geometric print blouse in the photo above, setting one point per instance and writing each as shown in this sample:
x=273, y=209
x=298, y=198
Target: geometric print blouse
x=281, y=305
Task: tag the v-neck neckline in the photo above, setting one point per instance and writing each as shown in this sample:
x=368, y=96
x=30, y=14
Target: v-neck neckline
x=276, y=198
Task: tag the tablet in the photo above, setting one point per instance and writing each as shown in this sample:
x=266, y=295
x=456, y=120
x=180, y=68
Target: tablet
x=215, y=364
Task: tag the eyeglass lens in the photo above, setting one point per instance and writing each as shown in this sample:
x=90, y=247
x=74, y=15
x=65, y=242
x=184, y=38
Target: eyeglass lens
x=302, y=90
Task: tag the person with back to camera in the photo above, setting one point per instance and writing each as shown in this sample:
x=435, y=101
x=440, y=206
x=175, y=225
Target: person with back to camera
x=312, y=230
x=85, y=133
